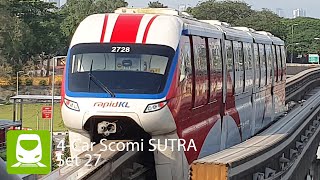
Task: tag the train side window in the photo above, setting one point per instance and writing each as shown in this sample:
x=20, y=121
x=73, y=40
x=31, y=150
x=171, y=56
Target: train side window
x=185, y=58
x=230, y=67
x=248, y=64
x=263, y=69
x=257, y=64
x=201, y=74
x=279, y=61
x=268, y=63
x=186, y=78
x=215, y=68
x=239, y=69
x=275, y=63
x=284, y=61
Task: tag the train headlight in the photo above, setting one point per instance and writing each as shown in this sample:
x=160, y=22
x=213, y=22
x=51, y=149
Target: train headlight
x=71, y=104
x=155, y=106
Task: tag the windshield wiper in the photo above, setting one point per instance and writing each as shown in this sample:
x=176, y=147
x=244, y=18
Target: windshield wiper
x=98, y=82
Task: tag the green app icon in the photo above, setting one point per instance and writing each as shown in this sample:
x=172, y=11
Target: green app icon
x=28, y=152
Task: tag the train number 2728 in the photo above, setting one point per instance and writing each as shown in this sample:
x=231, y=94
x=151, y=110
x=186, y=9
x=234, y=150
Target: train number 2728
x=121, y=49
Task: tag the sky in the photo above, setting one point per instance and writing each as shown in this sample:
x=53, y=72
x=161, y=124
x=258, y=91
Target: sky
x=311, y=6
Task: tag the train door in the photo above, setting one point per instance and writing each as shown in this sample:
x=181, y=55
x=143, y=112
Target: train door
x=279, y=94
x=268, y=117
x=275, y=81
x=230, y=125
x=213, y=140
x=256, y=84
x=260, y=93
x=185, y=80
x=248, y=121
x=228, y=88
x=201, y=74
x=216, y=78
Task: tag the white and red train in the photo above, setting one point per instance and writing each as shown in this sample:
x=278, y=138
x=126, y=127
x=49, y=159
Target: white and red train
x=152, y=73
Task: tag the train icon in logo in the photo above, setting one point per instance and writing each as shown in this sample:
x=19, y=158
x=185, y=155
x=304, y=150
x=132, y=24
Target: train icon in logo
x=32, y=155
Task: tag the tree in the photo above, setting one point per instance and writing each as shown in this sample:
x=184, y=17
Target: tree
x=12, y=31
x=156, y=4
x=30, y=28
x=305, y=32
x=264, y=20
x=225, y=11
x=76, y=10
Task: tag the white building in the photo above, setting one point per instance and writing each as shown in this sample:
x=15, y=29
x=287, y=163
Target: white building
x=57, y=2
x=299, y=13
x=280, y=12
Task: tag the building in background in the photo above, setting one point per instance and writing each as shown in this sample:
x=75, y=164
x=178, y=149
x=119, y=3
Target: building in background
x=58, y=3
x=299, y=13
x=183, y=7
x=280, y=12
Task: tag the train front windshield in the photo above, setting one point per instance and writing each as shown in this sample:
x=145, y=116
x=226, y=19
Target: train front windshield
x=127, y=69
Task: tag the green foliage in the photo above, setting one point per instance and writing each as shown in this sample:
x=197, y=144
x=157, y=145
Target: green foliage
x=28, y=29
x=226, y=11
x=76, y=10
x=238, y=13
x=66, y=152
x=43, y=83
x=305, y=32
x=156, y=4
x=264, y=20
x=55, y=163
x=29, y=82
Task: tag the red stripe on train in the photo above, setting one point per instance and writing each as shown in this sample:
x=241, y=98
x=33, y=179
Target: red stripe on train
x=104, y=28
x=147, y=29
x=63, y=93
x=126, y=28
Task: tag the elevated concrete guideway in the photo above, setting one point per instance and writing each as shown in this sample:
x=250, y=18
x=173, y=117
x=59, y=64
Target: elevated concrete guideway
x=294, y=68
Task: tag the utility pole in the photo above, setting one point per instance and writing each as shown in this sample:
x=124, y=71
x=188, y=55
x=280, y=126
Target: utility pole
x=292, y=48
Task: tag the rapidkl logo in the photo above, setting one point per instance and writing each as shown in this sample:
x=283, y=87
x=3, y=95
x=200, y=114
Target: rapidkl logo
x=112, y=104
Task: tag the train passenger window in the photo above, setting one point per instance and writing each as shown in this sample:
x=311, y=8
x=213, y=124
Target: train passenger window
x=185, y=58
x=284, y=61
x=201, y=74
x=269, y=63
x=275, y=63
x=263, y=64
x=215, y=68
x=238, y=66
x=248, y=64
x=279, y=61
x=257, y=64
x=185, y=66
x=230, y=67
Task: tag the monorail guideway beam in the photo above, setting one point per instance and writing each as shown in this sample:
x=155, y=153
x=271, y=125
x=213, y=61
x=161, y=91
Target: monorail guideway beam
x=300, y=83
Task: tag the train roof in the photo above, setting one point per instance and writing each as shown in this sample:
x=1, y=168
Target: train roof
x=149, y=26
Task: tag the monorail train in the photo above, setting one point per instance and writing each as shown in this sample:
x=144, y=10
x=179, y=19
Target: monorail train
x=158, y=73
